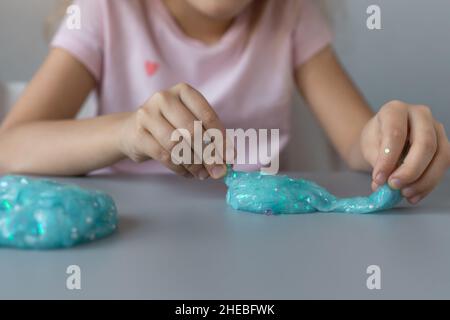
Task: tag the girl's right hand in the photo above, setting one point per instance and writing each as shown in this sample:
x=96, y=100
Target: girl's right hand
x=146, y=133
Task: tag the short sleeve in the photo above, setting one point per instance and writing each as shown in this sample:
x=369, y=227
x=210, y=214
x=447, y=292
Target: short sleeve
x=311, y=33
x=86, y=42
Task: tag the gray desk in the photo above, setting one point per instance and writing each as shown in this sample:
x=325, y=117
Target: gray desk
x=179, y=240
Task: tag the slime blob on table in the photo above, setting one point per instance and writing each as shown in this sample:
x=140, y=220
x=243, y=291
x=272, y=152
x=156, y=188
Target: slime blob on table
x=278, y=194
x=44, y=214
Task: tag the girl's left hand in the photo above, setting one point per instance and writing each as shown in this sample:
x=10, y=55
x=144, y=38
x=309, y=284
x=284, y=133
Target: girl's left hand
x=407, y=148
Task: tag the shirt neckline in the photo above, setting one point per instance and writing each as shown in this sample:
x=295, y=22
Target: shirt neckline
x=237, y=27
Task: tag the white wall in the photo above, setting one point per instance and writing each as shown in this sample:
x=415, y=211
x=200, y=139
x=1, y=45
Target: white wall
x=22, y=40
x=409, y=59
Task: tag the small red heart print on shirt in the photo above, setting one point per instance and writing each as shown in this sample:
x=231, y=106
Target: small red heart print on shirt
x=151, y=68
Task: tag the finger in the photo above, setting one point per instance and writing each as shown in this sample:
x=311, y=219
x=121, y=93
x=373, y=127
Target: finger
x=393, y=121
x=436, y=170
x=374, y=186
x=181, y=117
x=423, y=141
x=199, y=106
x=154, y=150
x=162, y=131
x=202, y=110
x=195, y=167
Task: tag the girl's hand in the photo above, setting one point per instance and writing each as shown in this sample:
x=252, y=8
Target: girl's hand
x=146, y=133
x=407, y=148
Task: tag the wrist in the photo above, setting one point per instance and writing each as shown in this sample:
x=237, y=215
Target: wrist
x=355, y=158
x=118, y=129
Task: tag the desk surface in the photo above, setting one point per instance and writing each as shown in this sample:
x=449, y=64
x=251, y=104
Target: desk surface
x=179, y=240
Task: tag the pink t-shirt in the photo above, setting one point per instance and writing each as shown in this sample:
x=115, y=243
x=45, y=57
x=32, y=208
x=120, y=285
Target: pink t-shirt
x=135, y=48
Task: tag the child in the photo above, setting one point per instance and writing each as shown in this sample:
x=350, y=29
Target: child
x=159, y=65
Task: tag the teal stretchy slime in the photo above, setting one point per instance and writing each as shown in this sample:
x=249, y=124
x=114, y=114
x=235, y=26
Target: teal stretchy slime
x=43, y=214
x=267, y=194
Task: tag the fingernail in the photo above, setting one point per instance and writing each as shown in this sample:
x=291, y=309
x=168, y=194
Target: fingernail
x=395, y=183
x=218, y=171
x=415, y=199
x=380, y=179
x=408, y=192
x=203, y=175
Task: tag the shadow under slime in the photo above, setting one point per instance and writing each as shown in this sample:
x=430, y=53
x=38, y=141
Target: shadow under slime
x=208, y=188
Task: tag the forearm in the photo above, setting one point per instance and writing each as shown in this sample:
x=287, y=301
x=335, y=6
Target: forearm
x=337, y=104
x=66, y=147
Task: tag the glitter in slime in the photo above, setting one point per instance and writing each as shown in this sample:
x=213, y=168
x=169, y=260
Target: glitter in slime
x=44, y=214
x=277, y=194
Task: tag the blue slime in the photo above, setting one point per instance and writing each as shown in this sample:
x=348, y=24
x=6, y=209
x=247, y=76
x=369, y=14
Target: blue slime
x=44, y=214
x=278, y=194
